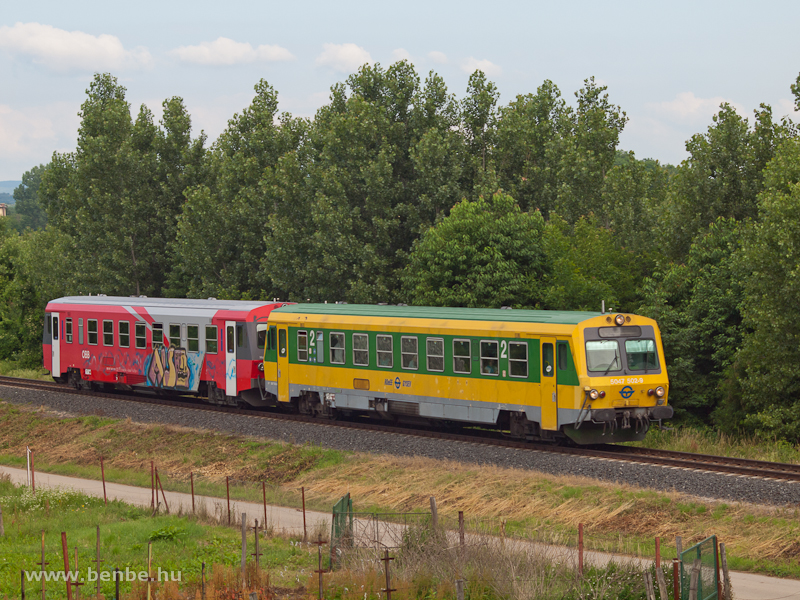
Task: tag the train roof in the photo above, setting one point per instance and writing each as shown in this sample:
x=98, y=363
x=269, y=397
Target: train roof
x=556, y=317
x=167, y=303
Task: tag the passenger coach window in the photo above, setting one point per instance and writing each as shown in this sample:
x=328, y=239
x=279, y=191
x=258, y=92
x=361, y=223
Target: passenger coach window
x=361, y=349
x=337, y=348
x=518, y=359
x=435, y=354
x=562, y=356
x=272, y=342
x=302, y=346
x=108, y=333
x=409, y=352
x=602, y=355
x=91, y=330
x=124, y=334
x=490, y=363
x=68, y=330
x=140, y=329
x=193, y=338
x=80, y=331
x=547, y=360
x=641, y=354
x=211, y=339
x=175, y=334
x=385, y=351
x=158, y=335
x=462, y=356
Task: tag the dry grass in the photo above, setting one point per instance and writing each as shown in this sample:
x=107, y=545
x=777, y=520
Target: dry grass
x=618, y=518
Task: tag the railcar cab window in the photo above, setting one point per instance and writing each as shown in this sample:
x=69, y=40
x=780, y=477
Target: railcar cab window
x=302, y=346
x=462, y=356
x=158, y=335
x=490, y=363
x=124, y=334
x=175, y=334
x=361, y=349
x=108, y=333
x=641, y=354
x=337, y=348
x=603, y=355
x=385, y=353
x=435, y=354
x=140, y=331
x=409, y=352
x=241, y=339
x=261, y=335
x=68, y=330
x=192, y=338
x=211, y=339
x=91, y=330
x=518, y=359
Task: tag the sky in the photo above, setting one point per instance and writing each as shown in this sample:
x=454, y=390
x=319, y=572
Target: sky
x=667, y=65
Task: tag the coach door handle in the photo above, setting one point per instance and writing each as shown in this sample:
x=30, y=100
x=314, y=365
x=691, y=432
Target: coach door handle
x=554, y=396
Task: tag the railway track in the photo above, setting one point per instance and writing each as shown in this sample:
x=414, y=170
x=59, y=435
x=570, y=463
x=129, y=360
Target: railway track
x=665, y=458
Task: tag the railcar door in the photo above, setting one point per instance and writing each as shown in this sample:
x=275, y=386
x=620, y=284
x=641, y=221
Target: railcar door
x=548, y=385
x=230, y=358
x=55, y=344
x=283, y=364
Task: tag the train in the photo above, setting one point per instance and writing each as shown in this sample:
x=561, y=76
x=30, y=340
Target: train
x=577, y=377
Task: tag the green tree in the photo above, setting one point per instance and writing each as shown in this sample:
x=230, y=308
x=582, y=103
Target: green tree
x=26, y=197
x=487, y=253
x=770, y=351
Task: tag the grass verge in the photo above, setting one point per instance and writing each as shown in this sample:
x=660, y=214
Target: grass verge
x=617, y=518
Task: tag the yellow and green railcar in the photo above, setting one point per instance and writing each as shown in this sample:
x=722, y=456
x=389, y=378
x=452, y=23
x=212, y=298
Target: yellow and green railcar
x=591, y=377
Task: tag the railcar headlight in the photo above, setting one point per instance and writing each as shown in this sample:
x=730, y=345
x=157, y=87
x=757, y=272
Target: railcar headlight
x=261, y=367
x=594, y=394
x=660, y=391
x=620, y=320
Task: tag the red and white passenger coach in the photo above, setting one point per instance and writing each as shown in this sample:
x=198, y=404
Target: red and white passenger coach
x=212, y=348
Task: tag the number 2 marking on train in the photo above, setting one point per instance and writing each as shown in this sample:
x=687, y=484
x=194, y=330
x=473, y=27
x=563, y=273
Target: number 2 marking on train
x=503, y=348
x=313, y=341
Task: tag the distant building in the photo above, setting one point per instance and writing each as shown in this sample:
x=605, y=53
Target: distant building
x=3, y=210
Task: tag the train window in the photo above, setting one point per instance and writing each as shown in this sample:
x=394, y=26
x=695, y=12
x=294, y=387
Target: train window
x=547, y=360
x=211, y=339
x=272, y=343
x=282, y=342
x=80, y=331
x=409, y=353
x=490, y=361
x=602, y=355
x=261, y=335
x=337, y=348
x=108, y=333
x=241, y=332
x=562, y=356
x=435, y=354
x=518, y=359
x=55, y=328
x=91, y=330
x=68, y=330
x=385, y=354
x=124, y=334
x=193, y=338
x=641, y=354
x=140, y=331
x=302, y=346
x=49, y=324
x=231, y=338
x=175, y=334
x=462, y=356
x=361, y=349
x=158, y=335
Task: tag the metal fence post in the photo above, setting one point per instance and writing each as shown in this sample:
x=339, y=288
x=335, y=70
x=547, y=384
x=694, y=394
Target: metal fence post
x=66, y=564
x=42, y=565
x=33, y=476
x=305, y=530
x=676, y=578
x=22, y=583
x=191, y=481
x=658, y=552
x=388, y=589
x=116, y=583
x=2, y=529
x=244, y=550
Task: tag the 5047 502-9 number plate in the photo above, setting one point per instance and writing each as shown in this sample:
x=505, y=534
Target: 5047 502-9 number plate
x=623, y=380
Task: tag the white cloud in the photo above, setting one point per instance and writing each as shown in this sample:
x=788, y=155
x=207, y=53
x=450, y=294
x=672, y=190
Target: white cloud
x=63, y=50
x=440, y=58
x=225, y=51
x=489, y=68
x=785, y=108
x=686, y=107
x=401, y=54
x=343, y=57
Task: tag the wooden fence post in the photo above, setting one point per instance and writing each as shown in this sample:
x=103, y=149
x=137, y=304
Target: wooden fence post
x=648, y=586
x=434, y=514
x=580, y=548
x=305, y=530
x=105, y=498
x=228, y=492
x=694, y=578
x=191, y=480
x=662, y=583
x=244, y=551
x=726, y=579
x=2, y=529
x=66, y=564
x=658, y=552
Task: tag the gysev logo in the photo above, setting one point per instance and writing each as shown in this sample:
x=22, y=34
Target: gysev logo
x=626, y=392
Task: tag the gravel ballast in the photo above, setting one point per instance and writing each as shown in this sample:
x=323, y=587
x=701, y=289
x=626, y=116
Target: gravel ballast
x=695, y=483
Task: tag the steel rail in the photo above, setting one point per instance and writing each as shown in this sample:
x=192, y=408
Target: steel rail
x=664, y=458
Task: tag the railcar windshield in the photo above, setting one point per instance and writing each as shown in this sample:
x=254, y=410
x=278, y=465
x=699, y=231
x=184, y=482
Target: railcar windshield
x=641, y=354
x=603, y=355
